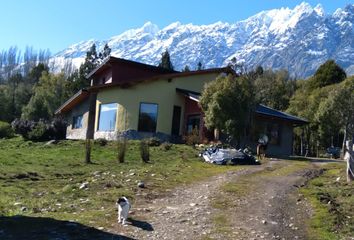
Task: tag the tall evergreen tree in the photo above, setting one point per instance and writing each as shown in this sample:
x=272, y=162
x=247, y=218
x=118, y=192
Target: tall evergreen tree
x=35, y=73
x=106, y=52
x=328, y=73
x=166, y=61
x=186, y=69
x=78, y=78
x=199, y=66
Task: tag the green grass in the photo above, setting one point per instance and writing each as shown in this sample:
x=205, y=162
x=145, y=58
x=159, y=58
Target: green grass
x=46, y=179
x=222, y=224
x=333, y=204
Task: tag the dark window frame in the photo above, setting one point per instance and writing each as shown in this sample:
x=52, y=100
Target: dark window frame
x=157, y=116
x=200, y=121
x=73, y=126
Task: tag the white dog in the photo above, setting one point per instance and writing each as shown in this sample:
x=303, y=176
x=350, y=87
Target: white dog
x=123, y=209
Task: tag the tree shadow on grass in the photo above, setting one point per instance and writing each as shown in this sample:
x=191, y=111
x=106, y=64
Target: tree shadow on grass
x=39, y=228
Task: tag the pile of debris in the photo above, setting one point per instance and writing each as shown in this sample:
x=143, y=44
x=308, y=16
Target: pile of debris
x=232, y=156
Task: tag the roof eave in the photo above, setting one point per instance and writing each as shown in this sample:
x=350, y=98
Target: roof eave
x=293, y=121
x=74, y=97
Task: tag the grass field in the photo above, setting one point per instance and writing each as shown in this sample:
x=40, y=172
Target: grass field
x=332, y=200
x=44, y=181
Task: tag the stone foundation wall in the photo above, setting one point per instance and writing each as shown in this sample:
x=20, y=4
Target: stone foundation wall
x=132, y=135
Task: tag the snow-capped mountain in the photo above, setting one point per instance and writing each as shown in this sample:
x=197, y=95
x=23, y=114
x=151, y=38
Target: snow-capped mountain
x=298, y=40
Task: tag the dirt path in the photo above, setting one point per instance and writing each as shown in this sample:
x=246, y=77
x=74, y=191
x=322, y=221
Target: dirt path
x=270, y=209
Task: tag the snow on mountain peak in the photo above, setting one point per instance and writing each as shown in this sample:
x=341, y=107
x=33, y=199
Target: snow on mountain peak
x=172, y=26
x=298, y=39
x=303, y=7
x=319, y=10
x=280, y=20
x=149, y=27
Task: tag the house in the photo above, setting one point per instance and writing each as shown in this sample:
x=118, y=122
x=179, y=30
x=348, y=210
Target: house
x=138, y=100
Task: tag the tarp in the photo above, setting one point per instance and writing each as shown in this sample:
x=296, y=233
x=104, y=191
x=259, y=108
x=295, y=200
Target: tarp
x=230, y=155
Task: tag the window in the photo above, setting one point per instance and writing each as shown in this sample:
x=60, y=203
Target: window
x=77, y=122
x=193, y=122
x=272, y=130
x=107, y=117
x=147, y=117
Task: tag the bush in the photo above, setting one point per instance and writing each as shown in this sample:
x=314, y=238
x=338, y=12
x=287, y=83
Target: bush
x=153, y=142
x=6, y=130
x=39, y=132
x=58, y=128
x=23, y=127
x=101, y=141
x=166, y=146
x=122, y=147
x=192, y=138
x=144, y=151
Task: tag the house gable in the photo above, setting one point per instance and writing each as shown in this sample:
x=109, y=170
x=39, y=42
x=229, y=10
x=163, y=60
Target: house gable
x=117, y=70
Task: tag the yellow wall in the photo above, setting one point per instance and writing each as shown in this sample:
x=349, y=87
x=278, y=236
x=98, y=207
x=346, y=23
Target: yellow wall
x=162, y=92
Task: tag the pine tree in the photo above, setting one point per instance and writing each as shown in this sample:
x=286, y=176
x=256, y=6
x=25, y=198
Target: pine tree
x=78, y=78
x=199, y=66
x=186, y=69
x=166, y=61
x=328, y=73
x=90, y=61
x=105, y=53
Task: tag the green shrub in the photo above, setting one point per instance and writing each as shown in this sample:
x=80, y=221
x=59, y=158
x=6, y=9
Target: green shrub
x=39, y=132
x=192, y=138
x=101, y=141
x=153, y=142
x=144, y=151
x=166, y=146
x=122, y=147
x=56, y=129
x=5, y=130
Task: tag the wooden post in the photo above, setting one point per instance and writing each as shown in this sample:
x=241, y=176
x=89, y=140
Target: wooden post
x=90, y=126
x=88, y=151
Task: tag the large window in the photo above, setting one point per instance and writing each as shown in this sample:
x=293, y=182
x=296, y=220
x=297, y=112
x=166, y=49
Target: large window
x=147, y=117
x=77, y=122
x=107, y=117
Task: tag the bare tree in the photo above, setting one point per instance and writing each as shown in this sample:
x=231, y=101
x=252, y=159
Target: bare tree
x=68, y=68
x=29, y=60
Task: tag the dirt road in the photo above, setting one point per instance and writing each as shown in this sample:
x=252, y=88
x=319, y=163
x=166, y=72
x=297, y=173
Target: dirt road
x=258, y=202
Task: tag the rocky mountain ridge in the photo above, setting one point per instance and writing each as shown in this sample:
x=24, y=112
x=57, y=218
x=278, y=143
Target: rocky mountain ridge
x=298, y=40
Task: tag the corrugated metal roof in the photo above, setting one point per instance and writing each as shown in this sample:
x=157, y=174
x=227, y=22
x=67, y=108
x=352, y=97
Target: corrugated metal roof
x=264, y=110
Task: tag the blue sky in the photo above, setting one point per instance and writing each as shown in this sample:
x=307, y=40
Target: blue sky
x=56, y=24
